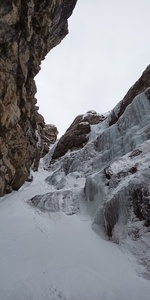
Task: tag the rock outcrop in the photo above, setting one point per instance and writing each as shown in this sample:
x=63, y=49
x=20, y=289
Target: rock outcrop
x=66, y=201
x=28, y=31
x=47, y=134
x=140, y=86
x=76, y=135
x=49, y=137
x=131, y=197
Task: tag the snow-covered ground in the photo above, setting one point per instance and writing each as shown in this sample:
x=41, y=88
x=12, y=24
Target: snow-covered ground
x=48, y=250
x=53, y=256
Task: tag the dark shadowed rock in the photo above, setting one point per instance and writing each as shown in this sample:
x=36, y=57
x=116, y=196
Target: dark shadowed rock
x=140, y=197
x=132, y=197
x=47, y=135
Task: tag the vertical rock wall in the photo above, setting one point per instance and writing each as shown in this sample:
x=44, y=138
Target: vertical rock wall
x=29, y=29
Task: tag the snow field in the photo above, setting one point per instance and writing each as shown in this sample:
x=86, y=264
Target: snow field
x=53, y=256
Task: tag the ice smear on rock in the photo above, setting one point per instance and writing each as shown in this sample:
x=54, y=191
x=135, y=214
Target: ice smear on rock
x=66, y=201
x=114, y=165
x=107, y=176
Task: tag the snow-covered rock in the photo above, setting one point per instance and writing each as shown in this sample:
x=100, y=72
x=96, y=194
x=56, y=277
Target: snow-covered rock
x=76, y=135
x=113, y=170
x=66, y=201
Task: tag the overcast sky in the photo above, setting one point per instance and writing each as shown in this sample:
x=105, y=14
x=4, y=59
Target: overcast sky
x=105, y=52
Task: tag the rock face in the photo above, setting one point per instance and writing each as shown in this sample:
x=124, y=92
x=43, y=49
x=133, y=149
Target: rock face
x=76, y=135
x=131, y=197
x=28, y=31
x=49, y=137
x=47, y=134
x=140, y=86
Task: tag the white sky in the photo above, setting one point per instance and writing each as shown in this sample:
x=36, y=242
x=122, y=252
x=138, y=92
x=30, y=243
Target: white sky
x=106, y=51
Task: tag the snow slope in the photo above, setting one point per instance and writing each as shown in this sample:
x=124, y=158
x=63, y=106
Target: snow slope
x=53, y=256
x=48, y=250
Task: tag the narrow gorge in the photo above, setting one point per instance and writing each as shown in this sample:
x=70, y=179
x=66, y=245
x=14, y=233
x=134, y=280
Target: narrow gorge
x=74, y=212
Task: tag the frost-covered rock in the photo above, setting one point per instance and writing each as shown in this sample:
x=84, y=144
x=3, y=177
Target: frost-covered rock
x=128, y=181
x=66, y=201
x=110, y=162
x=59, y=180
x=113, y=172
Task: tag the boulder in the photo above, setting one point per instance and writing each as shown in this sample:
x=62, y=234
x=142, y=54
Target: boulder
x=76, y=135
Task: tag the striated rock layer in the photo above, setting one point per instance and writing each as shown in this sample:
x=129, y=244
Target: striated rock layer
x=28, y=31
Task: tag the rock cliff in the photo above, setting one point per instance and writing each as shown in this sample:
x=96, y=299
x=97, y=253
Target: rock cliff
x=28, y=31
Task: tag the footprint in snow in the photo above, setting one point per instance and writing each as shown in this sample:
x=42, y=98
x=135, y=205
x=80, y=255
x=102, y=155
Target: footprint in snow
x=55, y=294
